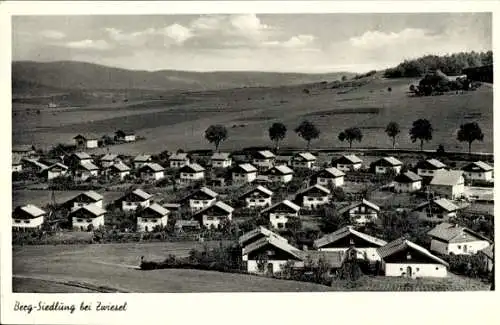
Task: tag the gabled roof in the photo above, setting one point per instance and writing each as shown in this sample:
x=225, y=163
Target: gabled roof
x=56, y=165
x=125, y=132
x=281, y=169
x=88, y=165
x=92, y=208
x=260, y=230
x=453, y=233
x=343, y=232
x=407, y=177
x=87, y=136
x=142, y=158
x=334, y=172
x=205, y=190
x=35, y=162
x=120, y=166
x=447, y=177
x=109, y=157
x=155, y=207
x=220, y=156
x=430, y=164
x=248, y=168
x=352, y=159
x=264, y=154
x=178, y=156
x=314, y=187
x=478, y=166
x=442, y=203
x=278, y=243
x=403, y=243
x=141, y=194
x=82, y=155
x=388, y=161
x=305, y=156
x=363, y=202
x=219, y=204
x=32, y=210
x=260, y=189
x=153, y=166
x=94, y=196
x=192, y=168
x=287, y=203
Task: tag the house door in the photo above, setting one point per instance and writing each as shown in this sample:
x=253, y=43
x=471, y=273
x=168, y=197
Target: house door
x=465, y=248
x=270, y=268
x=409, y=272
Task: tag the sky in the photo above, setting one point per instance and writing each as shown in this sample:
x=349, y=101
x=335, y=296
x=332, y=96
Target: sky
x=311, y=43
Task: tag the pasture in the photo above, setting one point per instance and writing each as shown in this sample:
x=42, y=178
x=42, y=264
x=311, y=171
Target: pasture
x=170, y=124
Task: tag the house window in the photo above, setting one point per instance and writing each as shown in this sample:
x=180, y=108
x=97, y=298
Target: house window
x=154, y=220
x=210, y=218
x=459, y=246
x=79, y=220
x=310, y=199
x=437, y=268
x=401, y=269
x=26, y=221
x=252, y=200
x=270, y=253
x=418, y=269
x=89, y=220
x=261, y=200
x=17, y=221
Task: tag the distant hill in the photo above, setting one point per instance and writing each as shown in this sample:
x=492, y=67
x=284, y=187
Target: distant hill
x=67, y=75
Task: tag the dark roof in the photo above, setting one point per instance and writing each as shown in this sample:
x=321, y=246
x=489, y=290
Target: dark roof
x=28, y=211
x=286, y=203
x=330, y=172
x=443, y=204
x=343, y=232
x=363, y=202
x=307, y=156
x=152, y=166
x=191, y=168
x=87, y=136
x=388, y=161
x=261, y=189
x=407, y=177
x=348, y=159
x=403, y=243
x=453, y=233
x=477, y=166
x=430, y=164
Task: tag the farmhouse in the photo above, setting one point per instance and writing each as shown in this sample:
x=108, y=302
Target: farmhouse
x=125, y=136
x=86, y=141
x=151, y=171
x=449, y=184
x=402, y=257
x=84, y=170
x=243, y=173
x=452, y=239
x=328, y=176
x=269, y=254
x=386, y=164
x=28, y=216
x=178, y=160
x=361, y=212
x=33, y=165
x=488, y=258
x=23, y=151
x=151, y=217
x=214, y=215
x=279, y=174
x=83, y=199
x=407, y=182
x=304, y=160
x=427, y=168
x=118, y=169
x=133, y=200
x=313, y=197
x=347, y=237
x=256, y=234
x=281, y=212
x=347, y=163
x=76, y=158
x=17, y=165
x=87, y=217
x=109, y=159
x=54, y=171
x=258, y=197
x=438, y=209
x=264, y=159
x=140, y=160
x=201, y=199
x=221, y=160
x=478, y=171
x=191, y=173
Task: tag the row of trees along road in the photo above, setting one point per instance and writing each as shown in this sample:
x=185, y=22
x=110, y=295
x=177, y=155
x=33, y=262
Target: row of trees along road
x=421, y=131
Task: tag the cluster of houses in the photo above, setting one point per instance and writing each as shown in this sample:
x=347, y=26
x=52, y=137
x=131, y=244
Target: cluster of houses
x=89, y=141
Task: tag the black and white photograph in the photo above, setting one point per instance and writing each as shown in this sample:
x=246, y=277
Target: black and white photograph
x=252, y=152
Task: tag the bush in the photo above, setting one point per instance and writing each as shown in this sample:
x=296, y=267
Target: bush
x=468, y=265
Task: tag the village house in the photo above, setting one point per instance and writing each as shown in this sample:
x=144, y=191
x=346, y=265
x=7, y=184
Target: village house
x=221, y=160
x=201, y=199
x=452, y=239
x=256, y=234
x=54, y=171
x=87, y=217
x=76, y=158
x=178, y=160
x=281, y=212
x=304, y=160
x=213, y=215
x=137, y=198
x=83, y=199
x=361, y=212
x=407, y=182
x=140, y=160
x=478, y=171
x=449, y=184
x=328, y=176
x=125, y=136
x=259, y=197
x=427, y=168
x=186, y=226
x=87, y=141
x=109, y=159
x=28, y=216
x=172, y=207
x=347, y=237
x=191, y=173
x=33, y=165
x=23, y=151
x=347, y=163
x=313, y=197
x=118, y=169
x=151, y=171
x=488, y=258
x=438, y=209
x=283, y=160
x=263, y=159
x=151, y=217
x=386, y=164
x=243, y=173
x=17, y=165
x=85, y=170
x=402, y=257
x=279, y=174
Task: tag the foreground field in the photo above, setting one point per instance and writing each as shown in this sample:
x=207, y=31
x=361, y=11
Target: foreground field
x=113, y=267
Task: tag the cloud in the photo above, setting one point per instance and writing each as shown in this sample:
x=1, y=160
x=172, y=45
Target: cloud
x=89, y=44
x=52, y=34
x=376, y=39
x=178, y=33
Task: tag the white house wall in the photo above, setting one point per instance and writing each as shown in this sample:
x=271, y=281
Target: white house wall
x=150, y=223
x=85, y=222
x=27, y=223
x=252, y=202
x=131, y=206
x=418, y=270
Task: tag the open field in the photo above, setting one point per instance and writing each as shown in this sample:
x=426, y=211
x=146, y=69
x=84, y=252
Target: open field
x=42, y=197
x=170, y=124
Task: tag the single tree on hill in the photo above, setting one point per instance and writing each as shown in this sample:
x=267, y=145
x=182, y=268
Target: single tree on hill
x=421, y=130
x=216, y=134
x=392, y=131
x=307, y=131
x=470, y=132
x=350, y=135
x=277, y=132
